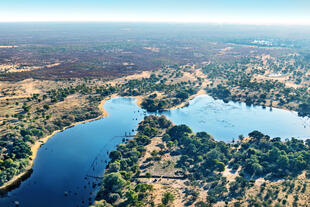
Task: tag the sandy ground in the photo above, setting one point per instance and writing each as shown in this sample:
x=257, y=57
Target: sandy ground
x=8, y=46
x=162, y=185
x=22, y=89
x=226, y=49
x=144, y=74
x=174, y=186
x=18, y=68
x=197, y=73
x=200, y=92
x=230, y=176
x=153, y=49
x=282, y=79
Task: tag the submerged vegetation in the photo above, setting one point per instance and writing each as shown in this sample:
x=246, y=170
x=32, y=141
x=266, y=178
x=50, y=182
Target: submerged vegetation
x=204, y=164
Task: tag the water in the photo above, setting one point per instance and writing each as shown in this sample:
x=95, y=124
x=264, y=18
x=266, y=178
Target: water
x=63, y=162
x=225, y=121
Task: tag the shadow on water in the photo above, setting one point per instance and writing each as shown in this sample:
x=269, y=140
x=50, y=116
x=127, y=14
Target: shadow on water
x=4, y=192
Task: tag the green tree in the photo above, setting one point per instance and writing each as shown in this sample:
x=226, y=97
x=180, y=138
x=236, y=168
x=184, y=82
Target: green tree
x=167, y=198
x=115, y=155
x=170, y=145
x=176, y=132
x=113, y=183
x=220, y=166
x=46, y=107
x=132, y=197
x=148, y=175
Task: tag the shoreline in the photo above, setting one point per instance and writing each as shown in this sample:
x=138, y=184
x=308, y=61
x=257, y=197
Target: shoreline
x=139, y=99
x=17, y=179
x=200, y=92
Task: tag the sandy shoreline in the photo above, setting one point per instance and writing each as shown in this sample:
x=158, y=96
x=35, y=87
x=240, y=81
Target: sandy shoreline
x=139, y=99
x=36, y=146
x=200, y=92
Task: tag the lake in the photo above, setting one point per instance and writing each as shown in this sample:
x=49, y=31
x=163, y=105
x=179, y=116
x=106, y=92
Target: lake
x=66, y=167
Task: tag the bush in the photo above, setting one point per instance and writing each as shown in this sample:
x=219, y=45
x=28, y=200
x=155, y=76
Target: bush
x=113, y=183
x=167, y=198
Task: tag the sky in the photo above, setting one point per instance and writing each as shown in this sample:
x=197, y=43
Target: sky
x=182, y=11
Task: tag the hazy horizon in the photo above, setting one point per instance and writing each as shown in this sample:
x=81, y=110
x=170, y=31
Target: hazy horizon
x=166, y=22
x=256, y=12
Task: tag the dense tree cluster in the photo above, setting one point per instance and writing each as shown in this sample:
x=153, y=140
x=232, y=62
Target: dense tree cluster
x=304, y=109
x=237, y=81
x=261, y=156
x=14, y=159
x=174, y=94
x=201, y=155
x=32, y=123
x=202, y=161
x=118, y=187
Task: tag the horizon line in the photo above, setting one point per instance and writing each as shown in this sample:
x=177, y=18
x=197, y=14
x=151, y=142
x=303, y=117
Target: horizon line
x=165, y=22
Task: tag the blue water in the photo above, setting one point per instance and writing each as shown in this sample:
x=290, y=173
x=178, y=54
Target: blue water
x=225, y=121
x=65, y=160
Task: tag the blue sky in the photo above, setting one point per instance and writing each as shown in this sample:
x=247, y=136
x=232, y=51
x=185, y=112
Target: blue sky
x=215, y=11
